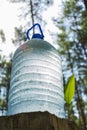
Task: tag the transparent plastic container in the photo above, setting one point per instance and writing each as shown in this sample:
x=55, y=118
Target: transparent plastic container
x=36, y=80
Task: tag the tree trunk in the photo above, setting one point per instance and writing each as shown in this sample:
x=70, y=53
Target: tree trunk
x=32, y=15
x=85, y=3
x=35, y=121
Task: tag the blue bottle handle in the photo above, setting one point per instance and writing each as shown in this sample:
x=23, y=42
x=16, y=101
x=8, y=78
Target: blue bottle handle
x=35, y=35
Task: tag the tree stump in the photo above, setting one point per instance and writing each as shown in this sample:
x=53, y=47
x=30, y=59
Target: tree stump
x=35, y=121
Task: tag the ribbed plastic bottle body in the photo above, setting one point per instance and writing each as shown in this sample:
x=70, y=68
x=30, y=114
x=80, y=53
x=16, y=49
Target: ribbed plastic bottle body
x=36, y=80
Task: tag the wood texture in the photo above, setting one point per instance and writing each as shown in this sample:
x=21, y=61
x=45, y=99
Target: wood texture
x=35, y=121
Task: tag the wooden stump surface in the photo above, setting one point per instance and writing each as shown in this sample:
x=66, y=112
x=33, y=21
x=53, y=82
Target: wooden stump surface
x=35, y=121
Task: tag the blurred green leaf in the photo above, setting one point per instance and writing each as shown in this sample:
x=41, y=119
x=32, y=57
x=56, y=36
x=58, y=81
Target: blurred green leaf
x=69, y=90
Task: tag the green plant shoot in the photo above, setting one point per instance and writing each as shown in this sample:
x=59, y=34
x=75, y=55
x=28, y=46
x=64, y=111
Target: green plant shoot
x=69, y=90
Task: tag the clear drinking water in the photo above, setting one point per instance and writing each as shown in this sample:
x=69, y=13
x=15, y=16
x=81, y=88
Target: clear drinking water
x=36, y=80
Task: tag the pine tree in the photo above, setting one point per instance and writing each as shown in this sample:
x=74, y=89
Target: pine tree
x=5, y=67
x=5, y=71
x=31, y=10
x=72, y=40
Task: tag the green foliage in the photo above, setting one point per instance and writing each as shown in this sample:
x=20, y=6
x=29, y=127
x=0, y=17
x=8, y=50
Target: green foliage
x=2, y=103
x=72, y=41
x=2, y=35
x=20, y=36
x=32, y=9
x=5, y=67
x=69, y=90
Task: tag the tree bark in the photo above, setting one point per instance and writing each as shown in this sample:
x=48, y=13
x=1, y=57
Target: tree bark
x=85, y=3
x=35, y=121
x=32, y=15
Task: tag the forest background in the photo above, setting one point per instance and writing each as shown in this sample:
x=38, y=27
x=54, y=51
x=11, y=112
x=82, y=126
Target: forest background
x=68, y=33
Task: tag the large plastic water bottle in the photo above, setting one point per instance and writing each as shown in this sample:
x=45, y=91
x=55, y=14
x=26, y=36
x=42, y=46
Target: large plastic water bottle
x=36, y=78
